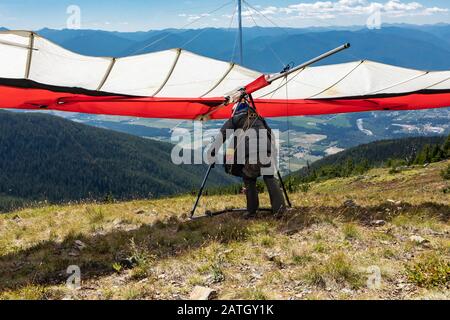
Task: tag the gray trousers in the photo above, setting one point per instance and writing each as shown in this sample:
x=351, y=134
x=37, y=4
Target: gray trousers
x=276, y=196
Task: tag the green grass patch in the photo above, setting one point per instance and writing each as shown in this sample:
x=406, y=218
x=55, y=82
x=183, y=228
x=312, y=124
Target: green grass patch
x=301, y=259
x=254, y=294
x=320, y=247
x=339, y=269
x=31, y=292
x=429, y=271
x=350, y=231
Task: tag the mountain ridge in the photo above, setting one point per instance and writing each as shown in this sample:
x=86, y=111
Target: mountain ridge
x=419, y=47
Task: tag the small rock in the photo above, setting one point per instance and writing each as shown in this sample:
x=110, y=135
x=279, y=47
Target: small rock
x=350, y=203
x=393, y=201
x=202, y=293
x=272, y=256
x=418, y=239
x=378, y=223
x=408, y=256
x=436, y=233
x=128, y=263
x=117, y=222
x=257, y=276
x=80, y=245
x=347, y=291
x=401, y=285
x=74, y=254
x=292, y=231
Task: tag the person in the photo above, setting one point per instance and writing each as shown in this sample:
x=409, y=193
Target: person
x=244, y=158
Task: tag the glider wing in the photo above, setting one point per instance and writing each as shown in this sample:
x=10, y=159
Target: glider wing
x=177, y=84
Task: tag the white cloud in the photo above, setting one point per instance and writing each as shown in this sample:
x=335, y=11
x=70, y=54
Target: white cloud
x=193, y=17
x=345, y=8
x=332, y=12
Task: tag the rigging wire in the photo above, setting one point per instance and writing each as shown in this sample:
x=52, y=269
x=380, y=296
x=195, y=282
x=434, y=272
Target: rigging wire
x=236, y=34
x=183, y=27
x=194, y=37
x=271, y=20
x=266, y=43
x=288, y=125
x=265, y=16
x=236, y=38
x=282, y=83
x=206, y=29
x=316, y=20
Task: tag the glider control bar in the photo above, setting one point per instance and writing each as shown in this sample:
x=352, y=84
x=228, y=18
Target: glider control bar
x=266, y=80
x=277, y=76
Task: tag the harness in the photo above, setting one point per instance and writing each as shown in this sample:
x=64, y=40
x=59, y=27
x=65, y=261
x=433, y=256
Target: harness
x=252, y=116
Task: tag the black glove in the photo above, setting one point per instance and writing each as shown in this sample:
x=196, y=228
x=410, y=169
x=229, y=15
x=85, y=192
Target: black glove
x=211, y=156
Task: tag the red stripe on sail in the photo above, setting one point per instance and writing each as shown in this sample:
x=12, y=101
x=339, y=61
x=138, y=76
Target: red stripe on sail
x=187, y=108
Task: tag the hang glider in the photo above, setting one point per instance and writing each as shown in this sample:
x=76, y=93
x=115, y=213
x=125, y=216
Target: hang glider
x=177, y=84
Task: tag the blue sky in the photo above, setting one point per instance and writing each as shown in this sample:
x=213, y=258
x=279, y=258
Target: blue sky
x=133, y=15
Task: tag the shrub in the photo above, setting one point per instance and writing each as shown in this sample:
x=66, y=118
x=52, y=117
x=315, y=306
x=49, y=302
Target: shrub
x=429, y=271
x=339, y=269
x=255, y=294
x=350, y=231
x=304, y=187
x=446, y=173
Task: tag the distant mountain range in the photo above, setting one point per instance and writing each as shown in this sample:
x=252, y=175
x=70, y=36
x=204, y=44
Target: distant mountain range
x=420, y=47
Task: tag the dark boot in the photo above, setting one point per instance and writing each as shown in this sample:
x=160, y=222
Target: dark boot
x=276, y=196
x=252, y=197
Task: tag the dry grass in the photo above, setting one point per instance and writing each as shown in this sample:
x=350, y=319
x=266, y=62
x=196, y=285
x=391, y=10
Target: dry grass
x=323, y=249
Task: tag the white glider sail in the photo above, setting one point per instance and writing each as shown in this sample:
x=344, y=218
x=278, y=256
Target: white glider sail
x=38, y=74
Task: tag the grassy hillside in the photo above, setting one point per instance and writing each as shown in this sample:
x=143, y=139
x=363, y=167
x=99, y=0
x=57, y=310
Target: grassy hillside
x=383, y=153
x=326, y=248
x=46, y=158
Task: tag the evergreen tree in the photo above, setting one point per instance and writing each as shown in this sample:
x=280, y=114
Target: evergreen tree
x=446, y=148
x=349, y=168
x=446, y=173
x=424, y=156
